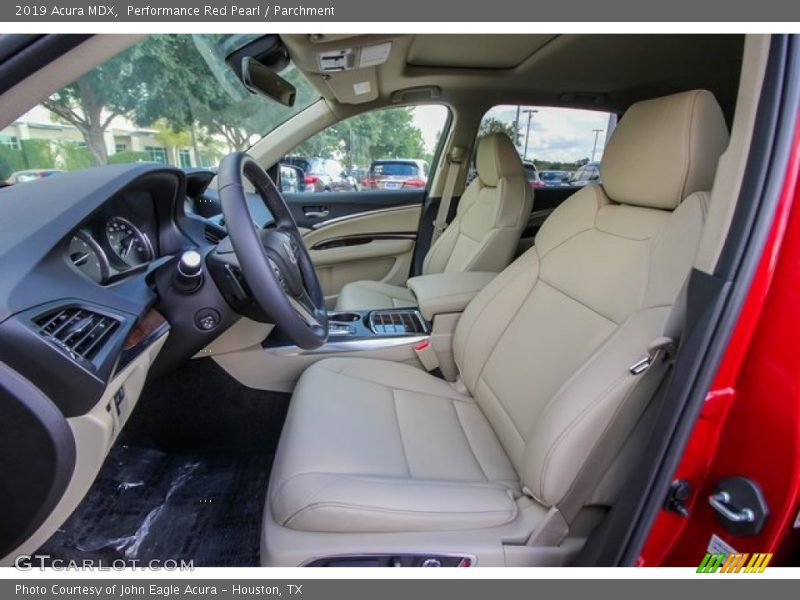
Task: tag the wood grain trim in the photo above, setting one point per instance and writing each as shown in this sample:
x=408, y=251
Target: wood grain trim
x=146, y=326
x=359, y=239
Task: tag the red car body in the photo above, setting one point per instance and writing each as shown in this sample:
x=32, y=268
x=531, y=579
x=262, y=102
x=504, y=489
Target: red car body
x=750, y=423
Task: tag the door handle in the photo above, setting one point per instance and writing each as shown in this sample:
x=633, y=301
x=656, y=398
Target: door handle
x=315, y=212
x=720, y=502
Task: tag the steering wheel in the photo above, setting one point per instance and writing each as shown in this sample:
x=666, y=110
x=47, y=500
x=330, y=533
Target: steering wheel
x=273, y=260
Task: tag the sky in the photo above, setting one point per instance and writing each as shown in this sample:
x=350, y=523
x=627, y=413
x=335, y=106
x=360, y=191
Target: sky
x=429, y=119
x=557, y=134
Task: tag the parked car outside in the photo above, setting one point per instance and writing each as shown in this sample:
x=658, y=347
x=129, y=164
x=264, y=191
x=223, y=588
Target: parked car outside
x=359, y=174
x=532, y=174
x=31, y=175
x=323, y=174
x=588, y=173
x=396, y=174
x=552, y=178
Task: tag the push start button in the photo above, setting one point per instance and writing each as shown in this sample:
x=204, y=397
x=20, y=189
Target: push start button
x=206, y=319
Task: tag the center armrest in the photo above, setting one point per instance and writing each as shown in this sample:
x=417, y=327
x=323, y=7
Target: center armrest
x=447, y=292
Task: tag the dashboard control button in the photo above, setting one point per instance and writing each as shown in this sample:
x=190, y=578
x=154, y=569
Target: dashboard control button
x=206, y=319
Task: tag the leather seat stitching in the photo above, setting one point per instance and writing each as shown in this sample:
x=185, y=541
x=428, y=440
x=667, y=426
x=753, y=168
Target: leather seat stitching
x=469, y=442
x=510, y=513
x=400, y=432
x=502, y=406
x=571, y=425
x=563, y=293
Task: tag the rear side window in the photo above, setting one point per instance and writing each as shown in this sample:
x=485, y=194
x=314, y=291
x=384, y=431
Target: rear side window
x=401, y=169
x=554, y=139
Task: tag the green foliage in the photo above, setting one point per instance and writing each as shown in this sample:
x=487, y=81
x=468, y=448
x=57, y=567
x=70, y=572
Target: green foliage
x=10, y=161
x=74, y=156
x=128, y=156
x=38, y=154
x=91, y=102
x=357, y=141
x=179, y=85
x=492, y=125
x=187, y=95
x=34, y=154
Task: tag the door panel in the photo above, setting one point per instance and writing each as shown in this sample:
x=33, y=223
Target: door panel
x=311, y=209
x=376, y=245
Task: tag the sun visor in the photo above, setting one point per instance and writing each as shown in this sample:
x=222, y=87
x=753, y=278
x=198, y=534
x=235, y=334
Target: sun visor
x=353, y=87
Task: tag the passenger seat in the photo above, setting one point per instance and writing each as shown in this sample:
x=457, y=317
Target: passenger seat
x=491, y=216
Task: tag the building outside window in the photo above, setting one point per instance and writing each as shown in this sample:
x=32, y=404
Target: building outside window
x=10, y=141
x=120, y=148
x=157, y=153
x=184, y=158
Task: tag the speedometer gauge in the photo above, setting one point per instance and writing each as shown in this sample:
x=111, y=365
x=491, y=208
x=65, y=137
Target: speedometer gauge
x=88, y=257
x=128, y=243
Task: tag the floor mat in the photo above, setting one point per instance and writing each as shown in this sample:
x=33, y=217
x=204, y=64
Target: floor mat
x=147, y=504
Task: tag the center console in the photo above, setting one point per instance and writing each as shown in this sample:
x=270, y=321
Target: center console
x=417, y=335
x=391, y=325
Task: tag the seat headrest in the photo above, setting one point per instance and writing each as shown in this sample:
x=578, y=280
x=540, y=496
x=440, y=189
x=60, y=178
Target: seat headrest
x=497, y=158
x=664, y=149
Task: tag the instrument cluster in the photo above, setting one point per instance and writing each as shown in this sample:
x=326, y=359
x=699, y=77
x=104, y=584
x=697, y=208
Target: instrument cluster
x=113, y=243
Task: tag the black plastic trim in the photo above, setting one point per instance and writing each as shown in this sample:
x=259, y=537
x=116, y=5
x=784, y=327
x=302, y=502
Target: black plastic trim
x=21, y=55
x=39, y=455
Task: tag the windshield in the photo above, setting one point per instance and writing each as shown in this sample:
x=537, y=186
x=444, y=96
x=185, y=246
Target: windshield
x=169, y=99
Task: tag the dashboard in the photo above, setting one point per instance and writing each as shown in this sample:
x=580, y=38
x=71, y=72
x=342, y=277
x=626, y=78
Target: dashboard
x=89, y=307
x=97, y=247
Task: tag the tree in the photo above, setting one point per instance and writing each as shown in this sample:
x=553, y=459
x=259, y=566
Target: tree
x=185, y=94
x=388, y=133
x=492, y=125
x=173, y=83
x=92, y=102
x=171, y=139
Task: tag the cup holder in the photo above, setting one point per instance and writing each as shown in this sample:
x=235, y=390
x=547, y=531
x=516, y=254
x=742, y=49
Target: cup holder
x=344, y=317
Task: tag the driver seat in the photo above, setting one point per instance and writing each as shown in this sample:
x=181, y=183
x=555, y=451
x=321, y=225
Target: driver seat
x=511, y=464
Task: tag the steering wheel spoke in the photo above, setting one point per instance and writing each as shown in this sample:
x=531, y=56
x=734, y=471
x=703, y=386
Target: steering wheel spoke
x=304, y=307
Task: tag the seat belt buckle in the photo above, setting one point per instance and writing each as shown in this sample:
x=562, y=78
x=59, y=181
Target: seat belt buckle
x=427, y=358
x=661, y=345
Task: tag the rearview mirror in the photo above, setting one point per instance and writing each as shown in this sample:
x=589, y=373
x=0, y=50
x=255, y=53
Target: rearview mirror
x=260, y=79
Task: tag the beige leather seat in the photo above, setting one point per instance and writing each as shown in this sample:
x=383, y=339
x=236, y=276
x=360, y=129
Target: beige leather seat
x=491, y=216
x=509, y=463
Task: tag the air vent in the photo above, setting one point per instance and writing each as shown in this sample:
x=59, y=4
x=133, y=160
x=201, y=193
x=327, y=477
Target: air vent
x=213, y=235
x=81, y=333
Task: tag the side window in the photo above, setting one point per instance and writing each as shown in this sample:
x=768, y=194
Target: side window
x=388, y=149
x=559, y=146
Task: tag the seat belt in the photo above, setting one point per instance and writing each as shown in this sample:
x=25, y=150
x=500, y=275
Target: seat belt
x=650, y=373
x=454, y=160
